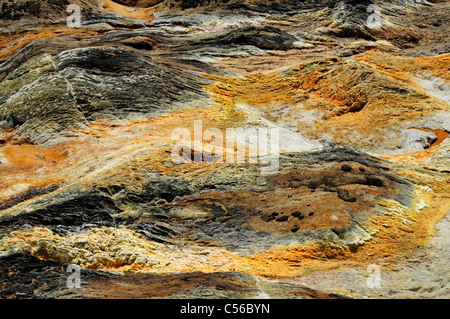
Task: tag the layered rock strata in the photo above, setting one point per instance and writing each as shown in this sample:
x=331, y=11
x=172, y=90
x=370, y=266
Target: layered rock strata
x=88, y=177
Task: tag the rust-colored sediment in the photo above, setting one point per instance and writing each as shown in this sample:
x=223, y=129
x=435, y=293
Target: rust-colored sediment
x=441, y=135
x=11, y=43
x=143, y=13
x=354, y=110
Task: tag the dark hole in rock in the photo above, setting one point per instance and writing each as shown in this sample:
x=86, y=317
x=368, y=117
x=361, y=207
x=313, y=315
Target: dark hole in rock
x=168, y=197
x=199, y=157
x=345, y=195
x=296, y=214
x=162, y=217
x=346, y=168
x=267, y=218
x=282, y=218
x=374, y=181
x=295, y=229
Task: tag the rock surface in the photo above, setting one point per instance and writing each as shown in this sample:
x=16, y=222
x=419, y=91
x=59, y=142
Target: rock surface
x=358, y=180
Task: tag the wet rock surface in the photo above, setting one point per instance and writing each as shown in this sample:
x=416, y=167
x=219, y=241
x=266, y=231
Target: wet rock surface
x=89, y=118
